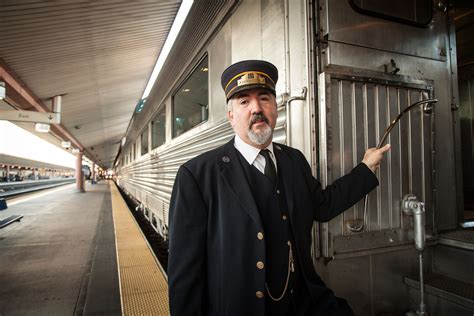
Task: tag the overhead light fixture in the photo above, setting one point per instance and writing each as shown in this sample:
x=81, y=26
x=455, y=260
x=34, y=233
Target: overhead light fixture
x=3, y=92
x=42, y=128
x=75, y=151
x=175, y=28
x=186, y=90
x=66, y=144
x=204, y=69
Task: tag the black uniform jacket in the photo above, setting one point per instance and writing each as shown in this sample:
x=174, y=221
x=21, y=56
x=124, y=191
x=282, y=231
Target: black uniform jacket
x=214, y=229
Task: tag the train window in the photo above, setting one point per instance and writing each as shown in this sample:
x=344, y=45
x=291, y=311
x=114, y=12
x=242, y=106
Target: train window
x=144, y=141
x=413, y=12
x=158, y=125
x=191, y=101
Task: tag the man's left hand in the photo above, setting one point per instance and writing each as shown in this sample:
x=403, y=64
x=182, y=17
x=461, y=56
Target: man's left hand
x=373, y=156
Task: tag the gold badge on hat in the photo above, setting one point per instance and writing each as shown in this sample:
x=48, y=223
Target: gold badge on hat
x=251, y=78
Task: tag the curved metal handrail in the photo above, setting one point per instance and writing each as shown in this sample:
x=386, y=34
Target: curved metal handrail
x=359, y=225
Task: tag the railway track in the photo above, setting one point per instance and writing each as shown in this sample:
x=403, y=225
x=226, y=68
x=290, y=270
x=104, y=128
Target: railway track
x=9, y=190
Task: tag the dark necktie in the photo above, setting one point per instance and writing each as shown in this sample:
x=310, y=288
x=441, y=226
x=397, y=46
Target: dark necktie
x=270, y=170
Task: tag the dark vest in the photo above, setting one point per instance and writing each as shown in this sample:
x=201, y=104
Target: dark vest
x=272, y=206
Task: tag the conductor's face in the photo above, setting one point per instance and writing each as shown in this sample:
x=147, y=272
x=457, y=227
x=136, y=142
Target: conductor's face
x=253, y=114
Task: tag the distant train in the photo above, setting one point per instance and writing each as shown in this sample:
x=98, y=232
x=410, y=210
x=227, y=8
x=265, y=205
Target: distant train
x=347, y=68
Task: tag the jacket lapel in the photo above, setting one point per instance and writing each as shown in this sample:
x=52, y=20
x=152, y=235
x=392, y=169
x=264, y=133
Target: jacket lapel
x=286, y=169
x=234, y=176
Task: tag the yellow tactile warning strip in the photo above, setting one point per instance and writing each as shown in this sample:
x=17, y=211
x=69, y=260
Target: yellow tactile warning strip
x=143, y=286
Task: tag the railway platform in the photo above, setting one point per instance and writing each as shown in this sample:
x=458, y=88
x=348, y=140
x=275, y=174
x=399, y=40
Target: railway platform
x=78, y=254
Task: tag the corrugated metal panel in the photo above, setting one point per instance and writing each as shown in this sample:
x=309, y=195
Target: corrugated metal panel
x=100, y=53
x=356, y=112
x=154, y=175
x=150, y=180
x=466, y=113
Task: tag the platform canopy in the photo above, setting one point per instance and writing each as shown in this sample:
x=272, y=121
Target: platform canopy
x=98, y=55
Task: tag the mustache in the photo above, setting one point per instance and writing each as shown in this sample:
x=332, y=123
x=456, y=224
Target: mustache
x=258, y=117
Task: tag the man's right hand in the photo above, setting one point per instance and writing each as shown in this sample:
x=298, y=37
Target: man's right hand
x=373, y=156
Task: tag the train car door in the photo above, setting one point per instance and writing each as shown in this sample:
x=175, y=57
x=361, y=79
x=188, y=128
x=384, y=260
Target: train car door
x=373, y=59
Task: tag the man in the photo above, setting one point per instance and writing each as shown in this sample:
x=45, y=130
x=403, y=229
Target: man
x=241, y=214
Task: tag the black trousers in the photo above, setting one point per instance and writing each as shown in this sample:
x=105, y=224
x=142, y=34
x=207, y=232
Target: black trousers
x=329, y=305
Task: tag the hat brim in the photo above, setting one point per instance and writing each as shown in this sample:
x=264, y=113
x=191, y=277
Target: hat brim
x=249, y=87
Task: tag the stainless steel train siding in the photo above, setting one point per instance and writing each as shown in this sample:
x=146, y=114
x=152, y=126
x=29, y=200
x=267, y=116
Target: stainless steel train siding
x=358, y=72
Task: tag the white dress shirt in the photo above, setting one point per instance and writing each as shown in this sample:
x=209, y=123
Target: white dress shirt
x=252, y=154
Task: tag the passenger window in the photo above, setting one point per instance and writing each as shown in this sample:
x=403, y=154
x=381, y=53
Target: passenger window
x=158, y=129
x=144, y=141
x=191, y=101
x=413, y=12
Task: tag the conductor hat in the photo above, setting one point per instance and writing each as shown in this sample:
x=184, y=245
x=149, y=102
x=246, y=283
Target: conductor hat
x=249, y=74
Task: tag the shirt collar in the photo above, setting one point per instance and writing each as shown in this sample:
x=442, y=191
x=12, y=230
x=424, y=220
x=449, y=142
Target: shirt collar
x=249, y=152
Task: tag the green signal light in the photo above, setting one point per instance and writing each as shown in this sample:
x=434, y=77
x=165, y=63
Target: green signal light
x=140, y=105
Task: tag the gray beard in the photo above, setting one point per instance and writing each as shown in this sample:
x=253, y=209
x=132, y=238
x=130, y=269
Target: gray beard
x=261, y=137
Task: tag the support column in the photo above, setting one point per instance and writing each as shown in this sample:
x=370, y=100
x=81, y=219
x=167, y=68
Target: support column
x=8, y=173
x=79, y=173
x=93, y=174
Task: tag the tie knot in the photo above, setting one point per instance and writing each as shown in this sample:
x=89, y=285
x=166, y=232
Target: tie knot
x=265, y=153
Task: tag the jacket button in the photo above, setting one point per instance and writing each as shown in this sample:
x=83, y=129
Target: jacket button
x=260, y=265
x=260, y=235
x=259, y=294
x=284, y=217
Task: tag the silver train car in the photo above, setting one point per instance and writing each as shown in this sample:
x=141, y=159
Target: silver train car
x=347, y=68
